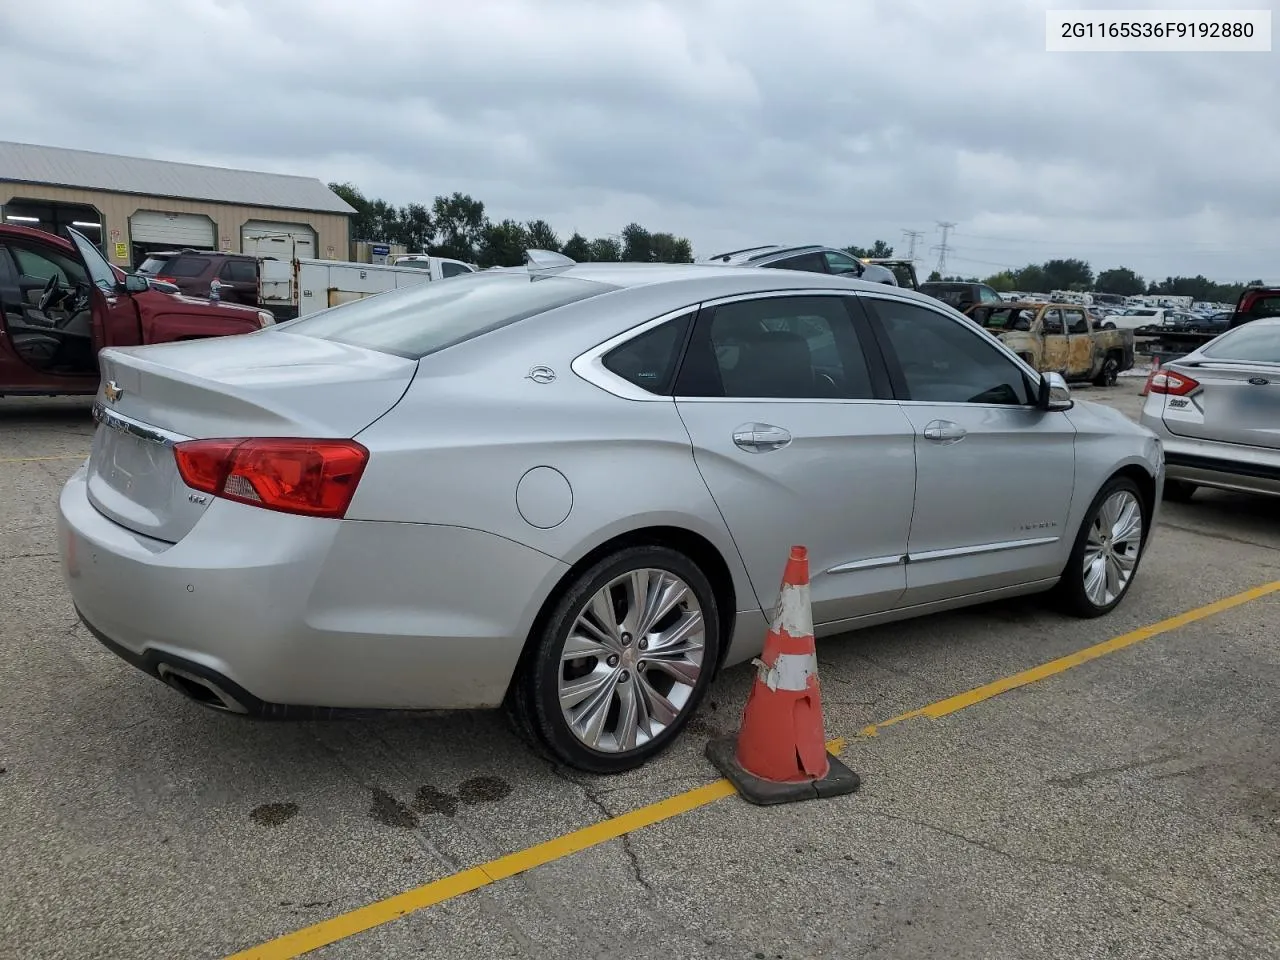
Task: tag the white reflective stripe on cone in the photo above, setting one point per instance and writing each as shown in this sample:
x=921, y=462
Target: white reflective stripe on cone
x=794, y=616
x=790, y=672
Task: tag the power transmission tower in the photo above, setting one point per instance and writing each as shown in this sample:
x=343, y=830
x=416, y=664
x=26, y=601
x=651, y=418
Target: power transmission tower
x=912, y=237
x=942, y=247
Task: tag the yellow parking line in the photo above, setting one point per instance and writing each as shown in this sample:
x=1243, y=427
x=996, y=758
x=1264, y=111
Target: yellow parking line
x=80, y=456
x=356, y=921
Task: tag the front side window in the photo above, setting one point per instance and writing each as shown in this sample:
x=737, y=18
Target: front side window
x=945, y=361
x=842, y=264
x=1053, y=323
x=649, y=360
x=240, y=271
x=801, y=348
x=35, y=263
x=987, y=295
x=454, y=270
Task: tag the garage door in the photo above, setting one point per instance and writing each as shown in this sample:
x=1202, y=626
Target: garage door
x=284, y=241
x=175, y=229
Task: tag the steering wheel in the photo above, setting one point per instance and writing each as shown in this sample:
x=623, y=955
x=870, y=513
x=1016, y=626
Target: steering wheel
x=49, y=293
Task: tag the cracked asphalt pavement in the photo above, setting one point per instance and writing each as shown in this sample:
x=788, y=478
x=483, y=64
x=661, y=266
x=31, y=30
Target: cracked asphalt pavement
x=1128, y=808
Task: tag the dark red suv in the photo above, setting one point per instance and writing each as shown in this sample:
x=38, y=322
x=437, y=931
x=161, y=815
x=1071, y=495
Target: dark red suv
x=194, y=272
x=1256, y=302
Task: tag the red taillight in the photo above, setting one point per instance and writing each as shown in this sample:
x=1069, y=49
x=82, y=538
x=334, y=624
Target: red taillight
x=316, y=478
x=1174, y=384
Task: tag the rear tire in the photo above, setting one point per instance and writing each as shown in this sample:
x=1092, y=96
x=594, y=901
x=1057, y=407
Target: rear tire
x=624, y=697
x=1109, y=373
x=1107, y=551
x=1179, y=491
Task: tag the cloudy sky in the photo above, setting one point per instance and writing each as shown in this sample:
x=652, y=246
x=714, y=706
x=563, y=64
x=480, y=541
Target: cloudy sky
x=731, y=122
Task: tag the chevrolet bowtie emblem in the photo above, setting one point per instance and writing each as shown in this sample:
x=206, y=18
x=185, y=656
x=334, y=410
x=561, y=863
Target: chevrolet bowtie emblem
x=113, y=391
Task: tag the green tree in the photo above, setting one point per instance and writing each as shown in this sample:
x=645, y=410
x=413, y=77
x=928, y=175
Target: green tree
x=460, y=226
x=416, y=229
x=637, y=244
x=1068, y=274
x=502, y=244
x=1003, y=281
x=541, y=236
x=1031, y=279
x=1119, y=280
x=934, y=277
x=361, y=224
x=877, y=250
x=668, y=248
x=606, y=250
x=577, y=248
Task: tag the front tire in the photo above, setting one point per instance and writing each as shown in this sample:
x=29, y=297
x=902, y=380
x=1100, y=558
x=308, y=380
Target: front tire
x=1107, y=551
x=621, y=663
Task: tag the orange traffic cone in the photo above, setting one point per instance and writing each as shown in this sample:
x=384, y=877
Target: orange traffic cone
x=780, y=753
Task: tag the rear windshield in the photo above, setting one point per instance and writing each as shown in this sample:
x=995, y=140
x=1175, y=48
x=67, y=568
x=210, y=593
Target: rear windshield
x=1259, y=342
x=185, y=267
x=153, y=265
x=421, y=319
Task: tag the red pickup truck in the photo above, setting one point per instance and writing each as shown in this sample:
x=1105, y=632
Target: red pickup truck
x=63, y=302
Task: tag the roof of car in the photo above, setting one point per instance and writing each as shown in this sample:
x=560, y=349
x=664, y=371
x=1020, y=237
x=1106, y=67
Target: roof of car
x=753, y=279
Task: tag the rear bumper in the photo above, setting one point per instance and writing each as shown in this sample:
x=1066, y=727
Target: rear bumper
x=1209, y=463
x=1210, y=469
x=293, y=615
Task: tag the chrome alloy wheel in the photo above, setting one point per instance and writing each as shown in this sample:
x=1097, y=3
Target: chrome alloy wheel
x=1112, y=547
x=631, y=660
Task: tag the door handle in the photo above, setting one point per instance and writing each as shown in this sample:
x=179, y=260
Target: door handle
x=760, y=437
x=944, y=431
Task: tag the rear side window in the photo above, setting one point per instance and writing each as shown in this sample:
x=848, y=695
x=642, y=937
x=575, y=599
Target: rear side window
x=800, y=348
x=1257, y=343
x=185, y=267
x=649, y=360
x=426, y=317
x=809, y=263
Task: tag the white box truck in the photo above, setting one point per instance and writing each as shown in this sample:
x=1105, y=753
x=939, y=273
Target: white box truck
x=304, y=286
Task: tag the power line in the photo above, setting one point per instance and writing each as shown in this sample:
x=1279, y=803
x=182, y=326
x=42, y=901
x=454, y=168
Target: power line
x=912, y=236
x=947, y=226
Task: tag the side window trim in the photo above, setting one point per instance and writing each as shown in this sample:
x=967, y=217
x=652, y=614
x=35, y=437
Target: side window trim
x=897, y=378
x=590, y=365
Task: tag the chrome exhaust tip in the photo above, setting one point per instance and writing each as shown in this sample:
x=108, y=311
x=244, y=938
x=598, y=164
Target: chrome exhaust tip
x=200, y=689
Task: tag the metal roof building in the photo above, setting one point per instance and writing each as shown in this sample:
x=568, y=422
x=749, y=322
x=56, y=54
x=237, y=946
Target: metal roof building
x=133, y=205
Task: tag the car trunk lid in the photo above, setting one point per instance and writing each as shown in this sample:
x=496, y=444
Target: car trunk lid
x=1235, y=403
x=273, y=384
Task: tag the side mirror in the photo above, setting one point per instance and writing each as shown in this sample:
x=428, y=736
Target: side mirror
x=1054, y=393
x=135, y=284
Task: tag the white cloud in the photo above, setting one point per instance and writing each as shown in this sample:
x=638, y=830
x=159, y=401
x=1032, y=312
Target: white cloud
x=729, y=121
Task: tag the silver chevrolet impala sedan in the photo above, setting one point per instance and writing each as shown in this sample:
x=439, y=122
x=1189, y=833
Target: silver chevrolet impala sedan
x=571, y=489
